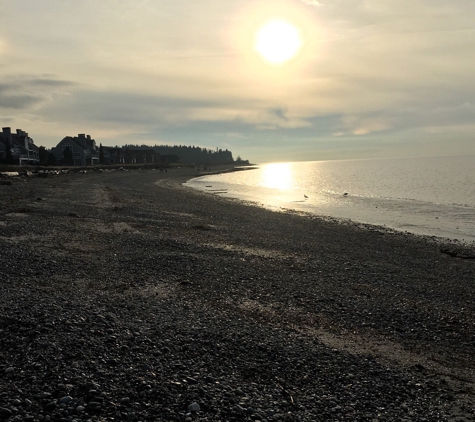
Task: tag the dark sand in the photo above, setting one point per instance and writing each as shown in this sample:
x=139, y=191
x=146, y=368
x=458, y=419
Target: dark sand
x=125, y=296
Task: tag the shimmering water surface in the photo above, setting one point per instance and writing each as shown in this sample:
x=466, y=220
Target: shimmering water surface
x=433, y=196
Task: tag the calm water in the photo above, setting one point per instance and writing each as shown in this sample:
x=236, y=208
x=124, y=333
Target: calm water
x=433, y=196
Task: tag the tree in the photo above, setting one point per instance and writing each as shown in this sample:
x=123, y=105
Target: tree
x=101, y=155
x=68, y=157
x=51, y=161
x=43, y=155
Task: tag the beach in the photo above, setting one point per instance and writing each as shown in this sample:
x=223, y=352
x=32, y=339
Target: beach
x=126, y=296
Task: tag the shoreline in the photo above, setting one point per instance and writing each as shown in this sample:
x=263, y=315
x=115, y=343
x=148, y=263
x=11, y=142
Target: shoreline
x=145, y=298
x=456, y=239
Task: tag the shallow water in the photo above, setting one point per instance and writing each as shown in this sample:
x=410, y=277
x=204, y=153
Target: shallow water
x=432, y=196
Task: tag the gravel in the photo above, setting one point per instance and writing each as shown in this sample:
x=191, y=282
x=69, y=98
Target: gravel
x=126, y=297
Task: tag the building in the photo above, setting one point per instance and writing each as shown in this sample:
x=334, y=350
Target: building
x=80, y=150
x=133, y=154
x=22, y=148
x=111, y=155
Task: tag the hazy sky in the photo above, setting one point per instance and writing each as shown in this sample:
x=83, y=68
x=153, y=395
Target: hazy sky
x=373, y=78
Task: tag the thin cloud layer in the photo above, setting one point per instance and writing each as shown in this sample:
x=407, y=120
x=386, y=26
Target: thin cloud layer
x=373, y=78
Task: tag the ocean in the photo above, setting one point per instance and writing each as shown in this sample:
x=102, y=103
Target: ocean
x=432, y=196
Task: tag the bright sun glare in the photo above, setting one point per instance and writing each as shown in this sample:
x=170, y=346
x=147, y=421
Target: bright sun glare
x=277, y=176
x=278, y=41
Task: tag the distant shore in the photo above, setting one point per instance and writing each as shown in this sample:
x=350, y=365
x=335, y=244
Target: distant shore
x=126, y=295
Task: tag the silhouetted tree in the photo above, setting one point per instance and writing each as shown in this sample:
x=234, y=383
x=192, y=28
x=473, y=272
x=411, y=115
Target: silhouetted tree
x=43, y=153
x=51, y=161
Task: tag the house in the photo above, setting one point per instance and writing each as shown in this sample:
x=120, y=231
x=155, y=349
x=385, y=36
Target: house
x=18, y=147
x=80, y=150
x=111, y=155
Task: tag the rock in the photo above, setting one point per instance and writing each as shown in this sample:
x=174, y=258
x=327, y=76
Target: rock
x=194, y=407
x=145, y=367
x=66, y=399
x=250, y=411
x=50, y=406
x=9, y=370
x=80, y=409
x=239, y=409
x=5, y=413
x=94, y=406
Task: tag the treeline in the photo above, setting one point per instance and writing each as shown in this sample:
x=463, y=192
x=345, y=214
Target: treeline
x=192, y=154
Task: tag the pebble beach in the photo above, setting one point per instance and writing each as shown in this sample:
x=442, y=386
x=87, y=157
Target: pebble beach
x=125, y=296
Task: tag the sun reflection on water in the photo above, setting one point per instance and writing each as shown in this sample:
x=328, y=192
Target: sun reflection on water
x=277, y=176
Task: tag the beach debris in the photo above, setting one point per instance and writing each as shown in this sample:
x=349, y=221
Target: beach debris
x=345, y=194
x=9, y=173
x=305, y=196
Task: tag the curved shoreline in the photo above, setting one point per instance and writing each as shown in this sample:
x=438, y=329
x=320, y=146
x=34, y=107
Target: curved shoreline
x=455, y=238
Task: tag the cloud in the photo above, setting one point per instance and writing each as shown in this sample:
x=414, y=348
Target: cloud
x=18, y=102
x=23, y=93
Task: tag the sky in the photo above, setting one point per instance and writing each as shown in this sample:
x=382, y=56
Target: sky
x=370, y=78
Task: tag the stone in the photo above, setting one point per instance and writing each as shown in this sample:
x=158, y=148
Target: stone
x=94, y=406
x=66, y=399
x=50, y=406
x=194, y=407
x=5, y=413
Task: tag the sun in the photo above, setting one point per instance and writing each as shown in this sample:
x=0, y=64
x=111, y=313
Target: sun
x=278, y=41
